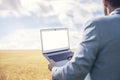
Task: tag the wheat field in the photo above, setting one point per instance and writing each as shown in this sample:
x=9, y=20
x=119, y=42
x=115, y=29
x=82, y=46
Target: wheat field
x=23, y=65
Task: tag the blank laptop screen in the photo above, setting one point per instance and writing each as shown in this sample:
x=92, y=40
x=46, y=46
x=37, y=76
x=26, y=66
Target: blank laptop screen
x=55, y=39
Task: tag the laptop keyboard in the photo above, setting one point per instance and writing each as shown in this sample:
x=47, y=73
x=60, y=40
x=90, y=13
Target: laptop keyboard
x=59, y=57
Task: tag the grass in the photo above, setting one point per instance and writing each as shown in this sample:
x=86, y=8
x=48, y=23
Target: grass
x=23, y=65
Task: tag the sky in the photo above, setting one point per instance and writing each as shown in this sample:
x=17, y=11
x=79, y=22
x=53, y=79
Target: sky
x=21, y=20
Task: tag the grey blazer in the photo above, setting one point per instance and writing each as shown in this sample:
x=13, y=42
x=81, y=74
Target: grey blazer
x=98, y=54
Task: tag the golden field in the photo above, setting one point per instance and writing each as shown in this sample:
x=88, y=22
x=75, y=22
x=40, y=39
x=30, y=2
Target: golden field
x=23, y=65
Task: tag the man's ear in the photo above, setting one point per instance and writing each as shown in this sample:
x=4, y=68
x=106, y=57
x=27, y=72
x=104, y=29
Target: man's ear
x=106, y=7
x=105, y=2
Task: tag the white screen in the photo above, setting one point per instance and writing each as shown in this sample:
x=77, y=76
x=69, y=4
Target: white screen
x=54, y=39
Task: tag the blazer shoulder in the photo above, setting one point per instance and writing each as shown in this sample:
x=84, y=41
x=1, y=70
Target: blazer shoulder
x=100, y=22
x=100, y=19
x=106, y=19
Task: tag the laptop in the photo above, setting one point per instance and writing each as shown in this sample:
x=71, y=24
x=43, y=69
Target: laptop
x=55, y=45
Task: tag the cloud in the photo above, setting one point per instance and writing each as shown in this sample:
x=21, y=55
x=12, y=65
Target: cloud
x=21, y=39
x=69, y=12
x=47, y=7
x=9, y=7
x=75, y=38
x=36, y=7
x=10, y=4
x=76, y=11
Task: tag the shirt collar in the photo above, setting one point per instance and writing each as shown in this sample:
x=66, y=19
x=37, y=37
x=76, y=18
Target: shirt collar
x=116, y=11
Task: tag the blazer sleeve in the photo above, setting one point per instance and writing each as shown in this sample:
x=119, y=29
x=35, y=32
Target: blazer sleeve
x=81, y=63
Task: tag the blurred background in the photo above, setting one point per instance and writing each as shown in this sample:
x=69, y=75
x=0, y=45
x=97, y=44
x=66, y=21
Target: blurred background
x=20, y=24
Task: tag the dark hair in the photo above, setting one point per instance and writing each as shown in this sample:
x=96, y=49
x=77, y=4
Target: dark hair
x=114, y=3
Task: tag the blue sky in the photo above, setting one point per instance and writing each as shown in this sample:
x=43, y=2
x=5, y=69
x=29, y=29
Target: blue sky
x=20, y=20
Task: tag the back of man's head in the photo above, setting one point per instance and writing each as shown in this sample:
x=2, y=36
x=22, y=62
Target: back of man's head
x=114, y=3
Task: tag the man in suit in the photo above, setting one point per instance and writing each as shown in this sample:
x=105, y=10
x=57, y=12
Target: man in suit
x=99, y=52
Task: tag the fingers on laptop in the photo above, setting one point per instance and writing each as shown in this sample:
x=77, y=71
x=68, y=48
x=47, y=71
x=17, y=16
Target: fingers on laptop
x=70, y=56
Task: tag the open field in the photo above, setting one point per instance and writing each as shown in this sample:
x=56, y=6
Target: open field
x=23, y=65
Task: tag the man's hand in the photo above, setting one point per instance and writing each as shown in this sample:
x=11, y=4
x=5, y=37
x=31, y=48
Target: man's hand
x=70, y=56
x=51, y=64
